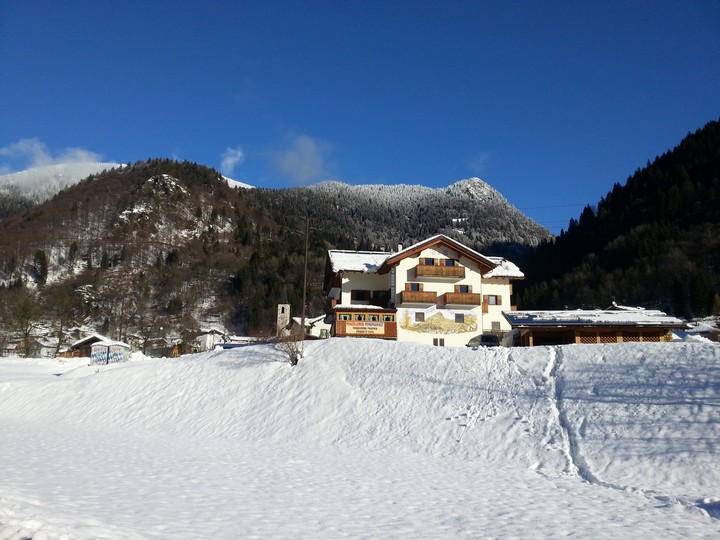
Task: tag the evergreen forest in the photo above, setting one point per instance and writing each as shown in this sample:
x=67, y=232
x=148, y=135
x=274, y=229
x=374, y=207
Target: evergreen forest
x=652, y=242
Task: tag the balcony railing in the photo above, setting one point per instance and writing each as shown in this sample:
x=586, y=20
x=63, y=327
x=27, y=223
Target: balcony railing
x=464, y=299
x=418, y=297
x=440, y=271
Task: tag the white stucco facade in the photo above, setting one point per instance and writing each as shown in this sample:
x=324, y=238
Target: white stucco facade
x=443, y=292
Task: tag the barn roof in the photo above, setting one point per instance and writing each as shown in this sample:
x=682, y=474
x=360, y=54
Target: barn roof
x=628, y=317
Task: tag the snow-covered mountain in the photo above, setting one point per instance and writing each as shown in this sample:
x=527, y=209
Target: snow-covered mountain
x=237, y=184
x=470, y=210
x=365, y=439
x=409, y=194
x=41, y=183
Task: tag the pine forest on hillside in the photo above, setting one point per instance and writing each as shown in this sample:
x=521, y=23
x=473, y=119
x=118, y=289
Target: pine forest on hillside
x=653, y=242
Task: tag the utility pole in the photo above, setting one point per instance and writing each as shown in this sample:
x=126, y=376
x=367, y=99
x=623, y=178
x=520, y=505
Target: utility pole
x=302, y=321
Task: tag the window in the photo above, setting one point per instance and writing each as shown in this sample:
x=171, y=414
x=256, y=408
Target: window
x=439, y=342
x=459, y=317
x=493, y=300
x=464, y=289
x=373, y=317
x=449, y=262
x=344, y=317
x=429, y=262
x=388, y=318
x=414, y=287
x=360, y=317
x=495, y=326
x=359, y=295
x=419, y=316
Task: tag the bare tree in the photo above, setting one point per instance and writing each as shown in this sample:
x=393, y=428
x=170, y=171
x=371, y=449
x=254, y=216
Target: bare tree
x=292, y=345
x=64, y=306
x=21, y=312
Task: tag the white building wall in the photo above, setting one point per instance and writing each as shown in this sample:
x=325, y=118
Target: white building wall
x=453, y=334
x=502, y=288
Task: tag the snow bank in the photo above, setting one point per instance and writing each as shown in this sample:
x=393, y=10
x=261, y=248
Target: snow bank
x=366, y=438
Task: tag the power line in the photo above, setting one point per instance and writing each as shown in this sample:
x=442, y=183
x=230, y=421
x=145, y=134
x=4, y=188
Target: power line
x=552, y=206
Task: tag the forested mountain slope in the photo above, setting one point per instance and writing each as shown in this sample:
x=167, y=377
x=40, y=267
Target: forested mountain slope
x=380, y=216
x=654, y=241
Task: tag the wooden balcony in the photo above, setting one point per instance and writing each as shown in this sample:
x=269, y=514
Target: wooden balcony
x=418, y=297
x=462, y=299
x=455, y=272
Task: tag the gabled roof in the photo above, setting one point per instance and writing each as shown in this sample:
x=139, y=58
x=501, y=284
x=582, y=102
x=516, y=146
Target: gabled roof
x=88, y=340
x=380, y=262
x=96, y=338
x=309, y=321
x=601, y=317
x=485, y=263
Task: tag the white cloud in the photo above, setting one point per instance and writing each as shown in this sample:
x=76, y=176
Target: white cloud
x=478, y=162
x=231, y=158
x=28, y=153
x=78, y=155
x=304, y=160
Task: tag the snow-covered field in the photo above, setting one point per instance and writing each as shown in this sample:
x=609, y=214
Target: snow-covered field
x=366, y=439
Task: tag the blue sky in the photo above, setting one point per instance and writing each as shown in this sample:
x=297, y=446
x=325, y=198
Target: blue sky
x=551, y=103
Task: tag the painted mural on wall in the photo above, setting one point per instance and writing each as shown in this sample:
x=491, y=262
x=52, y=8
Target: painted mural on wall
x=102, y=353
x=438, y=321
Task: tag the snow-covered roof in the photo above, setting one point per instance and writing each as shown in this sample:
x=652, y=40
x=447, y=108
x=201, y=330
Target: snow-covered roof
x=204, y=331
x=94, y=338
x=600, y=317
x=373, y=261
x=358, y=307
x=357, y=261
x=504, y=268
x=703, y=328
x=441, y=238
x=497, y=266
x=308, y=321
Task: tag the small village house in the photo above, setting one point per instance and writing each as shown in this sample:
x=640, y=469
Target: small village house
x=96, y=342
x=42, y=348
x=438, y=291
x=315, y=327
x=207, y=339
